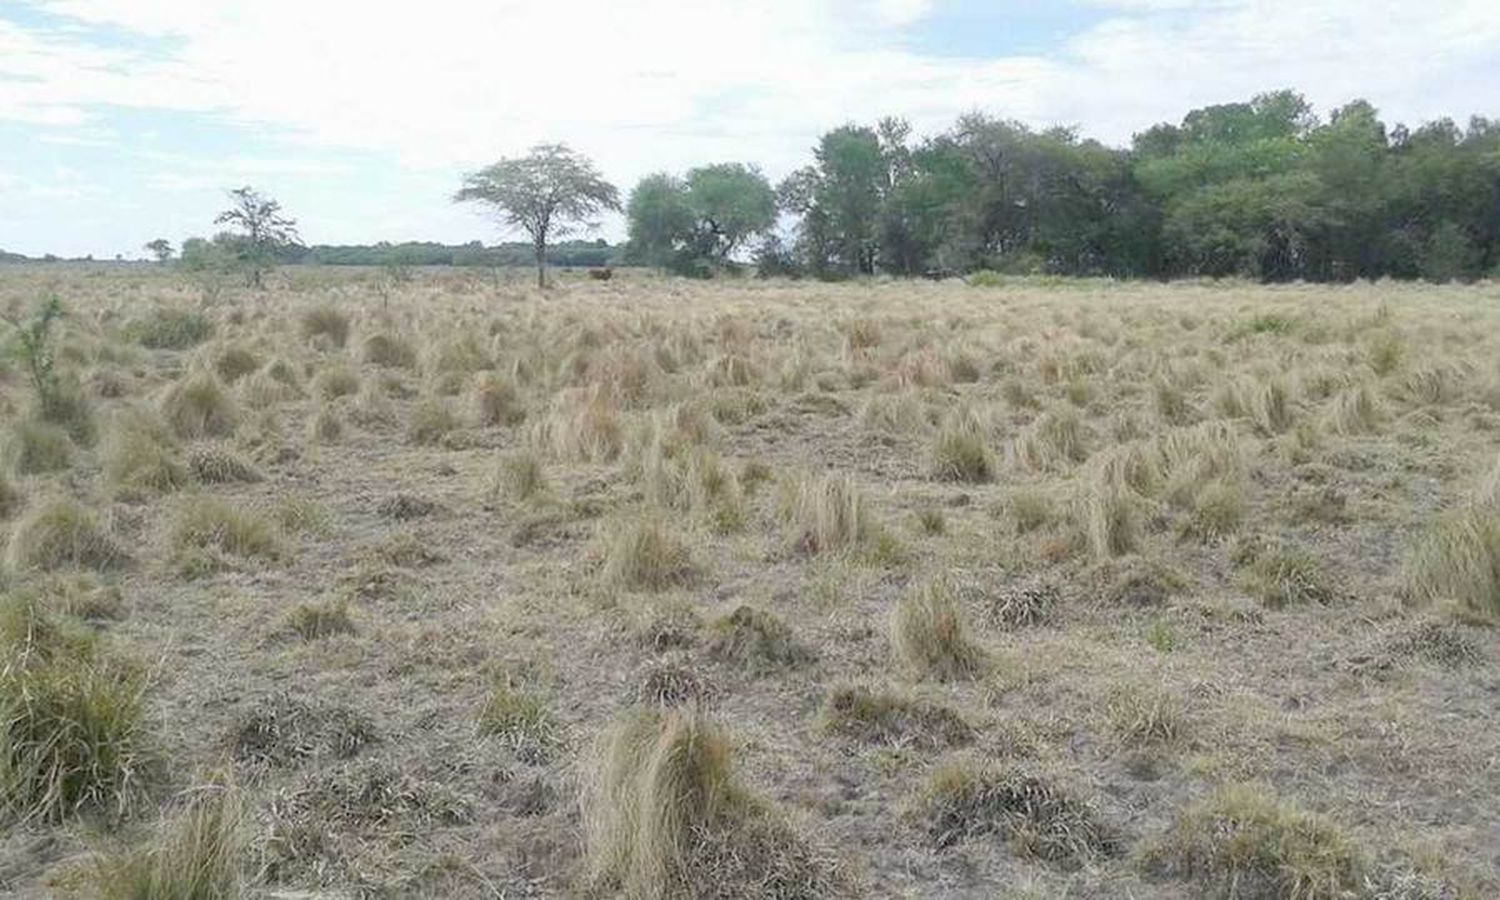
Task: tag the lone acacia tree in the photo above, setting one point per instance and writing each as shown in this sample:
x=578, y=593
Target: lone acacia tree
x=264, y=231
x=161, y=248
x=545, y=193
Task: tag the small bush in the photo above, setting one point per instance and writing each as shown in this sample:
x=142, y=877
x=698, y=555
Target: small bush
x=61, y=534
x=882, y=717
x=35, y=448
x=1244, y=842
x=325, y=322
x=756, y=640
x=1458, y=559
x=929, y=634
x=964, y=800
x=644, y=555
x=170, y=329
x=198, y=407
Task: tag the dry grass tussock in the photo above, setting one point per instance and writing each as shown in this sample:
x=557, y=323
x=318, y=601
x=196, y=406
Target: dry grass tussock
x=665, y=817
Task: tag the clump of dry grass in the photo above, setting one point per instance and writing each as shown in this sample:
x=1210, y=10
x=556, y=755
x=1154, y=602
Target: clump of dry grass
x=929, y=634
x=884, y=717
x=757, y=640
x=583, y=425
x=960, y=450
x=1057, y=440
x=11, y=498
x=388, y=351
x=431, y=422
x=282, y=730
x=34, y=447
x=1242, y=841
x=1285, y=575
x=643, y=554
x=826, y=514
x=73, y=735
x=234, y=362
x=139, y=453
x=208, y=533
x=195, y=855
x=215, y=464
x=1458, y=559
x=1218, y=511
x=1109, y=516
x=495, y=401
x=326, y=618
x=671, y=683
x=1144, y=716
x=1037, y=816
x=520, y=476
x=62, y=534
x=335, y=381
x=169, y=329
x=325, y=426
x=1355, y=410
x=664, y=817
x=325, y=322
x=1022, y=605
x=521, y=719
x=197, y=406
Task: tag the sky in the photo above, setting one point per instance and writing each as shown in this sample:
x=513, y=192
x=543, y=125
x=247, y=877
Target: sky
x=126, y=120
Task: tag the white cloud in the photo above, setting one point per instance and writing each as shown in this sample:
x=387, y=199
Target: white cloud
x=650, y=84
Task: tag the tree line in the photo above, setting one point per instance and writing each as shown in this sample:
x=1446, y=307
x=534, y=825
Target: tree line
x=1263, y=189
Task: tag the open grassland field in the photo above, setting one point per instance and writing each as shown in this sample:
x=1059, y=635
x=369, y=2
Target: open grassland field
x=750, y=589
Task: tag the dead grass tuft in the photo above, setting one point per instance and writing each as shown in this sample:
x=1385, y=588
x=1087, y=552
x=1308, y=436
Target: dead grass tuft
x=326, y=618
x=643, y=554
x=282, y=731
x=1458, y=559
x=756, y=640
x=665, y=818
x=195, y=855
x=207, y=534
x=884, y=717
x=327, y=323
x=62, y=534
x=1242, y=841
x=929, y=634
x=216, y=464
x=965, y=799
x=34, y=447
x=197, y=406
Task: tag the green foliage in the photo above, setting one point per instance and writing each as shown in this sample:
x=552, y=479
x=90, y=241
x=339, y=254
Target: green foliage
x=695, y=225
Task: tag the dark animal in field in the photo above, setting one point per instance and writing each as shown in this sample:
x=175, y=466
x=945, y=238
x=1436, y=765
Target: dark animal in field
x=603, y=274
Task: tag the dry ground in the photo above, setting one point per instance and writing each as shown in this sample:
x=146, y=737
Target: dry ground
x=1050, y=589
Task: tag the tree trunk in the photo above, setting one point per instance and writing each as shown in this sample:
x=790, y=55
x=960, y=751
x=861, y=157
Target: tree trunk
x=541, y=264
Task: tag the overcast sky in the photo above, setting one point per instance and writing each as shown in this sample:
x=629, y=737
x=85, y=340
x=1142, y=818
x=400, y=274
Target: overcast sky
x=125, y=120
